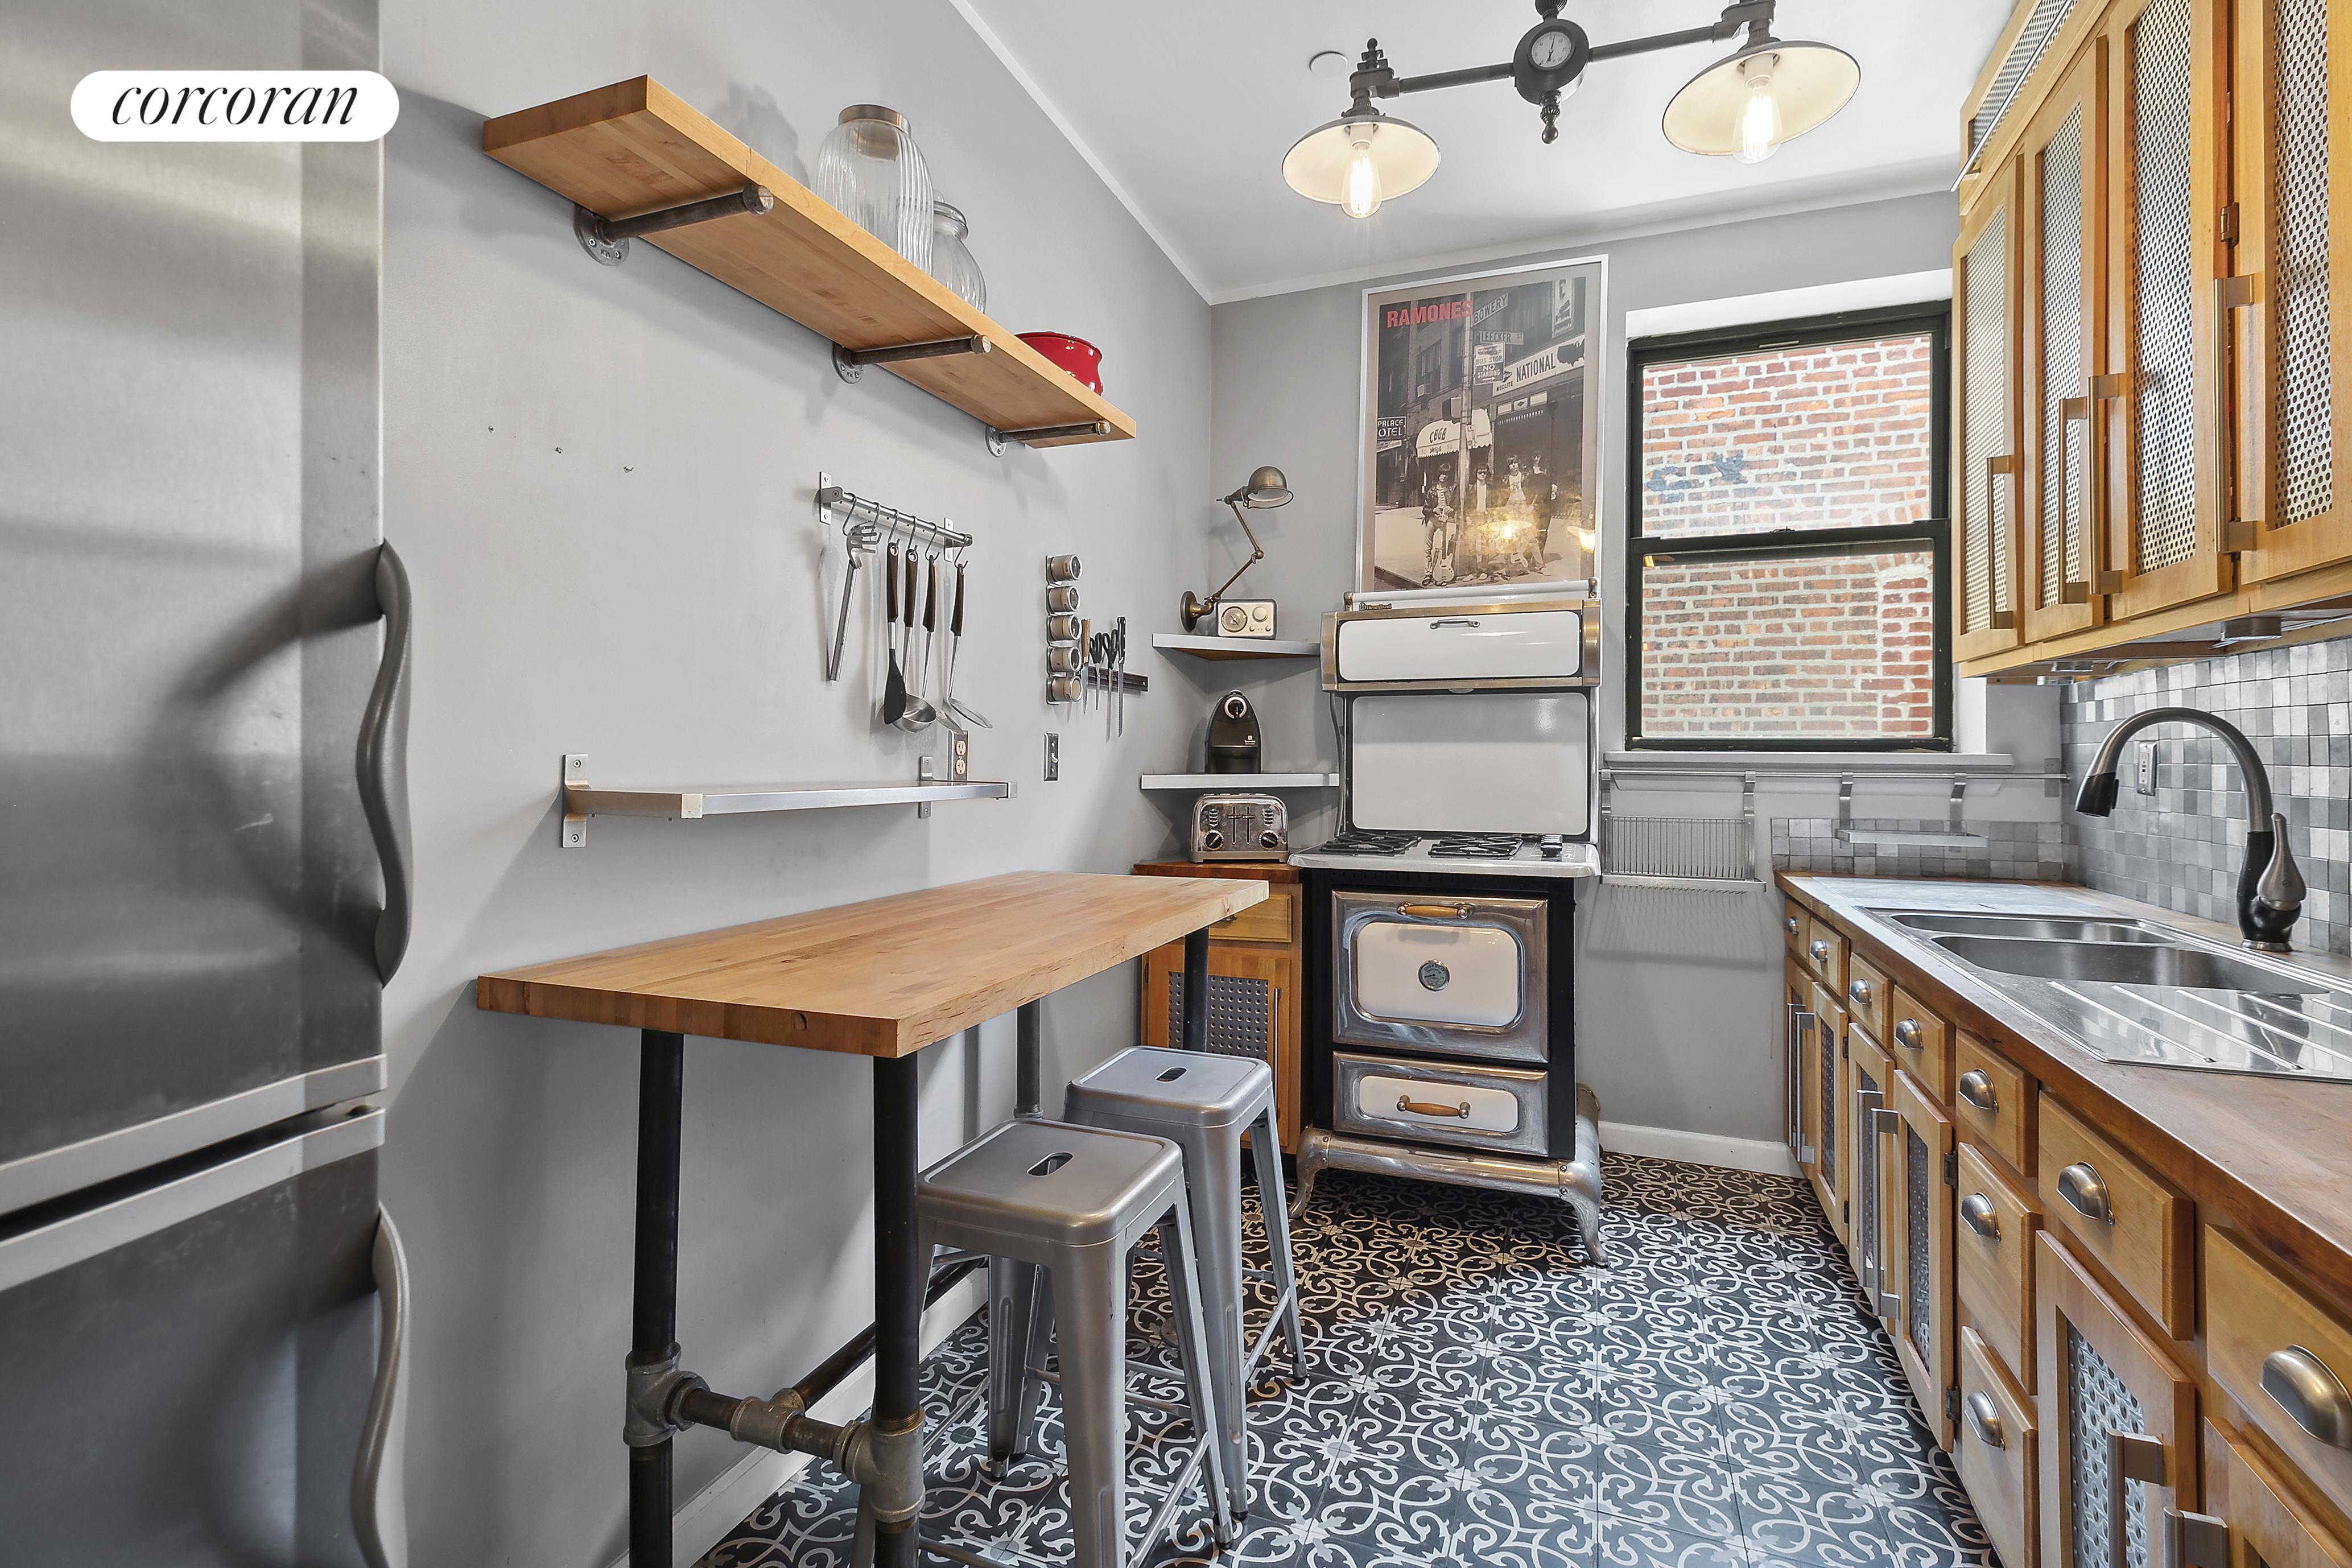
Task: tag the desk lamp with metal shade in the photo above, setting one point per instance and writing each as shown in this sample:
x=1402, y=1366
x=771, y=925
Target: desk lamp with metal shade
x=1266, y=489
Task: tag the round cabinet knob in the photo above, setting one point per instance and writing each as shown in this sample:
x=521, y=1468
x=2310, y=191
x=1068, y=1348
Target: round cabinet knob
x=1269, y=839
x=1212, y=839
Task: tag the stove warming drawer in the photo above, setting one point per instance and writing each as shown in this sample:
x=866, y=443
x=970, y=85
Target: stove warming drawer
x=1460, y=975
x=1433, y=1102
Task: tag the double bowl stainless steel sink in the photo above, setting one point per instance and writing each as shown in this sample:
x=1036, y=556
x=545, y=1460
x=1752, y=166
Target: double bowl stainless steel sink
x=2130, y=991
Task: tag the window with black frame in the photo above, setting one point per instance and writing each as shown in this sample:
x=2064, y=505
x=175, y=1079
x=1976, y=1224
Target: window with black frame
x=1787, y=566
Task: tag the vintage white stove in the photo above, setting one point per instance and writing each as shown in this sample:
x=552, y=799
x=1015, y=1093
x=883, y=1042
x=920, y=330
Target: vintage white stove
x=1440, y=1008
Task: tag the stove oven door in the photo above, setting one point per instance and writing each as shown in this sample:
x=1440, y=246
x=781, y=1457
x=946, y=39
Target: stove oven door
x=1422, y=972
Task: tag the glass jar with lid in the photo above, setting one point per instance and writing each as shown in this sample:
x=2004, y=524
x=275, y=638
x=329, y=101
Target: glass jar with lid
x=952, y=261
x=870, y=168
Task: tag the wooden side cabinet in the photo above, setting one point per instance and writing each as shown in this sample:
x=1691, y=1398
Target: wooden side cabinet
x=1258, y=975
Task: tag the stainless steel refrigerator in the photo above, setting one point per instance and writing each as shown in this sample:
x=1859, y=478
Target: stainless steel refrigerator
x=203, y=817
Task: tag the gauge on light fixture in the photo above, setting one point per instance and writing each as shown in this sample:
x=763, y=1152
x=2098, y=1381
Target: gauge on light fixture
x=1767, y=93
x=1361, y=159
x=1743, y=107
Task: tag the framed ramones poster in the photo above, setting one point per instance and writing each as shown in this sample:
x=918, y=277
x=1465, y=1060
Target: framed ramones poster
x=1481, y=429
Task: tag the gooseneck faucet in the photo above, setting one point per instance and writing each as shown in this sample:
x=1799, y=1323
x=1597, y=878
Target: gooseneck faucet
x=2270, y=889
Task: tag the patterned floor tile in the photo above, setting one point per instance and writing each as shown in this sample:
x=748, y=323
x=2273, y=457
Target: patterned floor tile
x=1474, y=1393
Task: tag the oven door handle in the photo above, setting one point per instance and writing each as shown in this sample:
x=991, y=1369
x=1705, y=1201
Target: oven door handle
x=1435, y=911
x=1460, y=1111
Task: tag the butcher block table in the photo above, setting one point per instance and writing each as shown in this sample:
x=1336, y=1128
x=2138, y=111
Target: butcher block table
x=881, y=979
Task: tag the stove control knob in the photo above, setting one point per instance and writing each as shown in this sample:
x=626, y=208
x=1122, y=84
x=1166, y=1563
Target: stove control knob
x=1269, y=839
x=1212, y=839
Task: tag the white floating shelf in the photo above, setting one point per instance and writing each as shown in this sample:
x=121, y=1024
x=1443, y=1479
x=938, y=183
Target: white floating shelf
x=1234, y=647
x=582, y=800
x=1239, y=780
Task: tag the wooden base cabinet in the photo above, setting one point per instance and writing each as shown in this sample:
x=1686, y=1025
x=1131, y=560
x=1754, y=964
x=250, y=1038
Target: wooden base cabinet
x=1256, y=970
x=1995, y=1449
x=2264, y=1526
x=2119, y=1423
x=1924, y=1175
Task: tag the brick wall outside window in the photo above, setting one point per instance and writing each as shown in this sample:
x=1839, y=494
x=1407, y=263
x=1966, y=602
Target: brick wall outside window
x=1832, y=436
x=1829, y=647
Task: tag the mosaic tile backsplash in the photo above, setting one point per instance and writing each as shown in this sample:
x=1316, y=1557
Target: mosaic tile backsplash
x=2011, y=851
x=2179, y=848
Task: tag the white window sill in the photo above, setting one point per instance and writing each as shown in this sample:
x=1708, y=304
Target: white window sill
x=1878, y=762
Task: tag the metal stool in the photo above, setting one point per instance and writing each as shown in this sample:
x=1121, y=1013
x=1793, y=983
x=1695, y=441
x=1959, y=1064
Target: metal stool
x=1205, y=1103
x=1071, y=1202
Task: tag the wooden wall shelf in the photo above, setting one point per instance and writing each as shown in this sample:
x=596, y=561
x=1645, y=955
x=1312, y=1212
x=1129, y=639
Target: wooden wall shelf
x=635, y=147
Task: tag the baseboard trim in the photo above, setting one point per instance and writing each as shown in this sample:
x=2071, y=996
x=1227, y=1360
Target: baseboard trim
x=1764, y=1157
x=704, y=1520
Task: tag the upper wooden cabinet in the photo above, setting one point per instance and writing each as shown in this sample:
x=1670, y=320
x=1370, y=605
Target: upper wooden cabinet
x=2064, y=163
x=1984, y=423
x=2292, y=157
x=2149, y=406
x=2158, y=404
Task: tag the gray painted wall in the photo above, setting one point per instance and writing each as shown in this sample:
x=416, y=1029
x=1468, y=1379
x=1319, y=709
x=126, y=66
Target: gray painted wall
x=601, y=481
x=1676, y=991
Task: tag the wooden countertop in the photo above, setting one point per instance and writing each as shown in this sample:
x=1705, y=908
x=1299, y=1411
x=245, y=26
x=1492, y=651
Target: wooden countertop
x=2271, y=1156
x=883, y=978
x=1245, y=870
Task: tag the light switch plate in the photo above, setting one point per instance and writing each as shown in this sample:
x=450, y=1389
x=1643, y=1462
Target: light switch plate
x=1052, y=756
x=2144, y=767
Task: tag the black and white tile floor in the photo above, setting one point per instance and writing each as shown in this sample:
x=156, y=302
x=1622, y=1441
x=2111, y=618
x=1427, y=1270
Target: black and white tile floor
x=1476, y=1394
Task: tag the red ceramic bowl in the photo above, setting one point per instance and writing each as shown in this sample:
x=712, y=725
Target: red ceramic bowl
x=1075, y=355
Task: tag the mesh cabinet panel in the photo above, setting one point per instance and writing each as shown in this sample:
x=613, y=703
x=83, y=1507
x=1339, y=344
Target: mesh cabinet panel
x=2301, y=386
x=1919, y=1306
x=1828, y=1111
x=2098, y=1402
x=1241, y=1015
x=2163, y=286
x=2059, y=345
x=1984, y=420
x=1865, y=1180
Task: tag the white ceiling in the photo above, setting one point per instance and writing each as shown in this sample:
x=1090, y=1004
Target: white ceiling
x=1186, y=111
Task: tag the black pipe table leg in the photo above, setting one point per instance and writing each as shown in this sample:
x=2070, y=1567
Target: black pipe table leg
x=653, y=1333
x=898, y=1277
x=1028, y=1074
x=1196, y=989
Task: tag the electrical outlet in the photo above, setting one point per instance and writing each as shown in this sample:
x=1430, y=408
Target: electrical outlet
x=2144, y=768
x=1052, y=756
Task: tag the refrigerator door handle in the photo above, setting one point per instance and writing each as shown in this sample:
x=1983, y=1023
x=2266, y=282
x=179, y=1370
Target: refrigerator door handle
x=383, y=762
x=379, y=1517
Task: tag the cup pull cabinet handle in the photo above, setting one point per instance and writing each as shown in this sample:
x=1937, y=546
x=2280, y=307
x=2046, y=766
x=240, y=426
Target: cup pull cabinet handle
x=1984, y=1416
x=2080, y=1185
x=2131, y=1456
x=1977, y=1214
x=2314, y=1398
x=1819, y=951
x=1977, y=1089
x=1791, y=922
x=1858, y=991
x=1908, y=1035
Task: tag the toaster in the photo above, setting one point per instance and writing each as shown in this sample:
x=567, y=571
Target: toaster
x=1240, y=827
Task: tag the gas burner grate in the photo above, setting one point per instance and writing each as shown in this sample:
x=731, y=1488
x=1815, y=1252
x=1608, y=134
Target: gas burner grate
x=1359, y=841
x=1474, y=847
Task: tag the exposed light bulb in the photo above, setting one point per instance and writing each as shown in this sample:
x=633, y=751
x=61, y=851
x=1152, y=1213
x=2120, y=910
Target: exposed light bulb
x=1360, y=196
x=1759, y=115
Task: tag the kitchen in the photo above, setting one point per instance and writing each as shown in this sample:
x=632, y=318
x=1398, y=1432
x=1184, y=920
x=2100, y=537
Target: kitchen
x=1716, y=1304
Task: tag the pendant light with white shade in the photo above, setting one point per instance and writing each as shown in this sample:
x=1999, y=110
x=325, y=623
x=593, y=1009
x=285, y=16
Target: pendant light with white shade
x=1744, y=106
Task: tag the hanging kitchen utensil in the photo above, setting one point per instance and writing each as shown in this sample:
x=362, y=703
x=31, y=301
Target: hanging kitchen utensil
x=894, y=686
x=920, y=715
x=955, y=704
x=858, y=539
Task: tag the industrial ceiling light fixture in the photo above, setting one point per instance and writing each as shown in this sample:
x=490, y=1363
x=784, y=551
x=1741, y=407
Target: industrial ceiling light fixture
x=1768, y=91
x=1266, y=487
